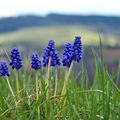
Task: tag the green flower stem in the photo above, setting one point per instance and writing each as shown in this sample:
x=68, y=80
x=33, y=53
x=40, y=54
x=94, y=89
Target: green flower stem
x=17, y=83
x=56, y=81
x=37, y=94
x=47, y=78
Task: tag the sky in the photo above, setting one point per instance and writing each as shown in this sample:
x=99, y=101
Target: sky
x=44, y=7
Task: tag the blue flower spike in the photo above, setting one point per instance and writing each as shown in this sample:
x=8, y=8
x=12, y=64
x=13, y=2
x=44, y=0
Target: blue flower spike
x=36, y=65
x=4, y=71
x=35, y=61
x=77, y=49
x=15, y=59
x=51, y=52
x=66, y=60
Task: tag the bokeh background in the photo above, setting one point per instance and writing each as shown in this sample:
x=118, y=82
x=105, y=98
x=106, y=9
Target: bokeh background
x=29, y=24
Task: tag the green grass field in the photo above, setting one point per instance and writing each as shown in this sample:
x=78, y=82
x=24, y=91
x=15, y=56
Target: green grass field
x=61, y=34
x=78, y=100
x=74, y=97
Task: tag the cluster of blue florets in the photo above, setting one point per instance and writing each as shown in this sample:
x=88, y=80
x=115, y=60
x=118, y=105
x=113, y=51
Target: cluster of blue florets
x=50, y=54
x=67, y=58
x=72, y=52
x=15, y=59
x=4, y=71
x=35, y=61
x=77, y=49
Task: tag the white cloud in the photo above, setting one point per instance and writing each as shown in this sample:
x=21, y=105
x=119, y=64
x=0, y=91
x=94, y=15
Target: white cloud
x=16, y=7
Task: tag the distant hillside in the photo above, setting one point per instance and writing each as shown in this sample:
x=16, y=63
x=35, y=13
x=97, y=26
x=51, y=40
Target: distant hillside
x=15, y=23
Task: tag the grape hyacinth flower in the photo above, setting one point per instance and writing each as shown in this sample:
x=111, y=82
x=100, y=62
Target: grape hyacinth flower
x=35, y=61
x=15, y=59
x=77, y=49
x=51, y=52
x=50, y=58
x=16, y=63
x=4, y=71
x=76, y=55
x=36, y=65
x=66, y=60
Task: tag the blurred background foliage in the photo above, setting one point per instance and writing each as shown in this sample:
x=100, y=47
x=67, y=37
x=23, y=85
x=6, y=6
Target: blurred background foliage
x=30, y=32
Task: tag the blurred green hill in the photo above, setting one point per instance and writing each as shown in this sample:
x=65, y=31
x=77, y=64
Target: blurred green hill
x=38, y=36
x=36, y=30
